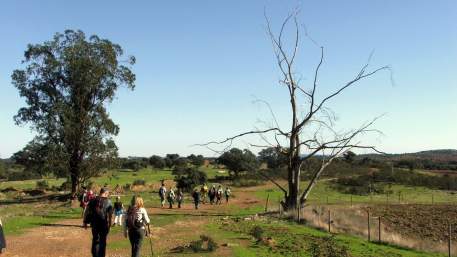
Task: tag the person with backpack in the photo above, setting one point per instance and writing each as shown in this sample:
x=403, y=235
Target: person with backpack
x=118, y=211
x=136, y=220
x=99, y=214
x=162, y=193
x=171, y=198
x=179, y=197
x=2, y=238
x=228, y=192
x=219, y=193
x=196, y=197
x=212, y=194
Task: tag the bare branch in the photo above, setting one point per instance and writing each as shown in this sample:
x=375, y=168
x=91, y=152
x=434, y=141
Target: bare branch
x=273, y=181
x=230, y=139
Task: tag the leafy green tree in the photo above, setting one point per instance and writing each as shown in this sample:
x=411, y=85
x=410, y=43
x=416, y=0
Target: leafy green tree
x=67, y=84
x=188, y=178
x=34, y=158
x=196, y=160
x=349, y=156
x=173, y=160
x=237, y=161
x=157, y=162
x=273, y=157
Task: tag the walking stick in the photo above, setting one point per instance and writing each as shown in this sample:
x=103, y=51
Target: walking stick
x=150, y=241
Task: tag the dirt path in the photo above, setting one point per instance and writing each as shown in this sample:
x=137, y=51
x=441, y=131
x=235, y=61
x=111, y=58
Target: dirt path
x=67, y=238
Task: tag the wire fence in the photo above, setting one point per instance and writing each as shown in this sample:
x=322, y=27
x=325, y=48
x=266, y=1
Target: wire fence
x=365, y=220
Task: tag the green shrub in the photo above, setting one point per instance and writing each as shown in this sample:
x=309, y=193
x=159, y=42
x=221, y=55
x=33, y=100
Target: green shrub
x=242, y=182
x=327, y=247
x=196, y=246
x=42, y=184
x=139, y=182
x=66, y=186
x=188, y=178
x=257, y=233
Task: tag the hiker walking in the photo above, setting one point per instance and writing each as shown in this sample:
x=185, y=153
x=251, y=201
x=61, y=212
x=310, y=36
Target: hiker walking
x=203, y=193
x=118, y=211
x=82, y=200
x=228, y=192
x=171, y=198
x=212, y=194
x=136, y=220
x=196, y=197
x=2, y=238
x=162, y=193
x=219, y=193
x=99, y=214
x=179, y=197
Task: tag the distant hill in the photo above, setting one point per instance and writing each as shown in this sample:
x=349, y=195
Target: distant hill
x=440, y=155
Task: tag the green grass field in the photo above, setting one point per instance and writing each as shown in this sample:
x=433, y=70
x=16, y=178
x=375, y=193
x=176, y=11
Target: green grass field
x=323, y=193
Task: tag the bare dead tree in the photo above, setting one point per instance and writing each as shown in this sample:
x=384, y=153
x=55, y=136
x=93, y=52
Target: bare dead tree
x=324, y=142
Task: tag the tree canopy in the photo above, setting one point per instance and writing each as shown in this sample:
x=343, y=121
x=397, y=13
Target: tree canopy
x=237, y=160
x=67, y=84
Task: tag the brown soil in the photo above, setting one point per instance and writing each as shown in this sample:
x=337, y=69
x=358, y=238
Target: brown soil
x=419, y=221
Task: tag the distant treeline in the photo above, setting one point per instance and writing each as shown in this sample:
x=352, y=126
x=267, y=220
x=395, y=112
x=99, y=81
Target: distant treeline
x=374, y=182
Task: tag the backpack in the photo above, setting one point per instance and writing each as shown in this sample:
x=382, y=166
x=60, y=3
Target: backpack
x=132, y=221
x=97, y=211
x=161, y=192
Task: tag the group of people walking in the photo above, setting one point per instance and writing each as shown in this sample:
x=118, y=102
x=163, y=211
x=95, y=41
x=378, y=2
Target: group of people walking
x=99, y=214
x=215, y=195
x=170, y=196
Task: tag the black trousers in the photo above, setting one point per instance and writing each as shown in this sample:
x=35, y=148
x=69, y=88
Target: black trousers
x=99, y=235
x=136, y=237
x=2, y=239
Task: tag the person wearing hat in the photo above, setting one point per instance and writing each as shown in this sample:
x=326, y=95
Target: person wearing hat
x=99, y=214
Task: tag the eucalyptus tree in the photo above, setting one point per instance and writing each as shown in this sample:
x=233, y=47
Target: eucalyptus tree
x=67, y=83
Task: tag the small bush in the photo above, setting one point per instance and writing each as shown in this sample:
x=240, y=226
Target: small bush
x=242, y=182
x=189, y=178
x=126, y=187
x=327, y=247
x=66, y=186
x=257, y=233
x=196, y=246
x=199, y=245
x=42, y=184
x=212, y=245
x=139, y=182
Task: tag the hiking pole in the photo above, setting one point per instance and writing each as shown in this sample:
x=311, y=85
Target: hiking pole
x=150, y=241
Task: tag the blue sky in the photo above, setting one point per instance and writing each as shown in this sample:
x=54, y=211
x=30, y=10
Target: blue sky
x=200, y=64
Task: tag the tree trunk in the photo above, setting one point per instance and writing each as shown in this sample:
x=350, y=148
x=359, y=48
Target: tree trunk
x=74, y=174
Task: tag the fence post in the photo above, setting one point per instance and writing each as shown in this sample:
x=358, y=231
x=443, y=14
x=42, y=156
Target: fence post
x=449, y=243
x=329, y=222
x=351, y=200
x=266, y=204
x=368, y=223
x=433, y=199
x=379, y=229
